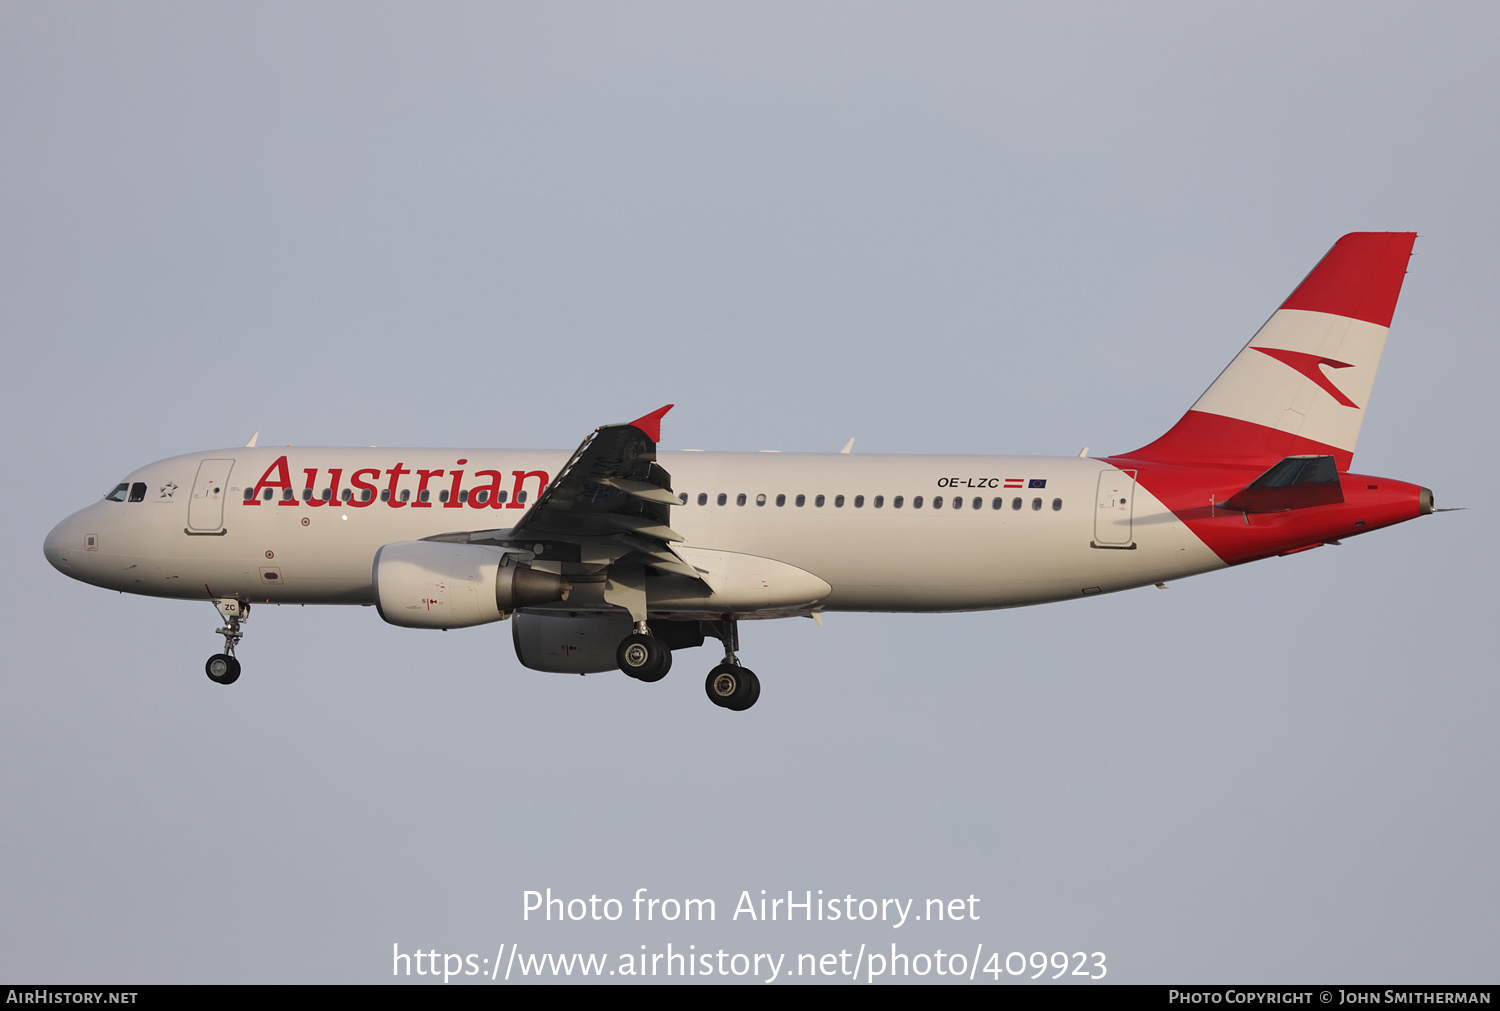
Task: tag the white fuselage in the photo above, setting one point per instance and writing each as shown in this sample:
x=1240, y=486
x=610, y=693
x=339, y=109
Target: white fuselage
x=192, y=534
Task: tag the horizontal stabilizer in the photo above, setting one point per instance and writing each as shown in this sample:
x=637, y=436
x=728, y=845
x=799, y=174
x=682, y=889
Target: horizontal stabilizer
x=1298, y=482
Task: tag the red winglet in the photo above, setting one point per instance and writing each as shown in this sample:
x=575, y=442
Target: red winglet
x=1360, y=277
x=651, y=423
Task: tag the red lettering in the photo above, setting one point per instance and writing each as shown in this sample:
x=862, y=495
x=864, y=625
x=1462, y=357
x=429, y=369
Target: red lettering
x=283, y=480
x=453, y=500
x=395, y=473
x=490, y=501
x=334, y=473
x=521, y=476
x=358, y=501
x=425, y=475
x=309, y=495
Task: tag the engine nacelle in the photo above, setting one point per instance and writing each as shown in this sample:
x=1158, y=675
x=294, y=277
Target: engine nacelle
x=560, y=644
x=434, y=584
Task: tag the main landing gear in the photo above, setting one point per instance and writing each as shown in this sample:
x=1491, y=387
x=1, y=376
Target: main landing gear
x=223, y=668
x=729, y=685
x=642, y=656
x=646, y=657
x=732, y=687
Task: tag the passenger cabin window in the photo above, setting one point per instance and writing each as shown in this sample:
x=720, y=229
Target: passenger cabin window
x=138, y=491
x=739, y=499
x=819, y=501
x=520, y=496
x=703, y=498
x=118, y=495
x=347, y=494
x=287, y=495
x=365, y=496
x=916, y=503
x=760, y=499
x=269, y=493
x=801, y=501
x=723, y=499
x=780, y=500
x=1057, y=505
x=423, y=496
x=978, y=502
x=859, y=501
x=937, y=501
x=249, y=494
x=838, y=501
x=998, y=503
x=1036, y=504
x=682, y=497
x=405, y=494
x=897, y=502
x=879, y=501
x=1015, y=503
x=385, y=494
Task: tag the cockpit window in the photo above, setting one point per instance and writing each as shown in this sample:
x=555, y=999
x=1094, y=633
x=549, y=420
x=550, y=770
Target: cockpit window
x=138, y=492
x=118, y=495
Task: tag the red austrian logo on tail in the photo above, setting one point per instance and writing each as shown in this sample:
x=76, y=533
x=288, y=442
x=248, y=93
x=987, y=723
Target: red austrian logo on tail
x=1311, y=367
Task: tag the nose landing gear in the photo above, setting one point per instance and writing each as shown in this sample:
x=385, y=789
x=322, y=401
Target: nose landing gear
x=223, y=668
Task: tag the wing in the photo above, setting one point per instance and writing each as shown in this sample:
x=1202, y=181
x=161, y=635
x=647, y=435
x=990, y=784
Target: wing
x=610, y=503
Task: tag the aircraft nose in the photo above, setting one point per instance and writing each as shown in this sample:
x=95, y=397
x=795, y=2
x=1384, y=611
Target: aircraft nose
x=56, y=546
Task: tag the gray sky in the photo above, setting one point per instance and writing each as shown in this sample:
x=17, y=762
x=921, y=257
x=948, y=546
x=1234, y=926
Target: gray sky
x=961, y=228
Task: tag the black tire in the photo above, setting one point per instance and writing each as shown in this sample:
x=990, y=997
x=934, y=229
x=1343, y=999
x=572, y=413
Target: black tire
x=661, y=669
x=643, y=658
x=733, y=687
x=222, y=669
x=754, y=691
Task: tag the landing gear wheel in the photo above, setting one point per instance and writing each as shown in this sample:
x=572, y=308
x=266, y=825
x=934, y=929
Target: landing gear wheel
x=222, y=669
x=731, y=686
x=643, y=657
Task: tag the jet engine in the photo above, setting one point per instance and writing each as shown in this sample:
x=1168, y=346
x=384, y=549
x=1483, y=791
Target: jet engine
x=434, y=584
x=561, y=644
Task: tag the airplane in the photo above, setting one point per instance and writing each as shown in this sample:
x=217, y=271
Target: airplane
x=617, y=555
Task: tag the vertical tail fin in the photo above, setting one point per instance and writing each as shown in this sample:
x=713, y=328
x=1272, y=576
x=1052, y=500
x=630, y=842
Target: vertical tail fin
x=1302, y=383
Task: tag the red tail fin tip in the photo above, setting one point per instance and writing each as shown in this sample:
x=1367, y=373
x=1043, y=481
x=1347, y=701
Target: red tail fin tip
x=1275, y=399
